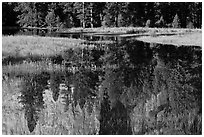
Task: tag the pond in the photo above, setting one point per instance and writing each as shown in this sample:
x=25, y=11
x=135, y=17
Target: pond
x=114, y=88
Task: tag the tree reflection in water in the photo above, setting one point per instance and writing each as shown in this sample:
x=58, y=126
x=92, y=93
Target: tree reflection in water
x=32, y=97
x=118, y=78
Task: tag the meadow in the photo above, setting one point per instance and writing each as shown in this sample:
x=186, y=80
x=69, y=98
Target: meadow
x=23, y=46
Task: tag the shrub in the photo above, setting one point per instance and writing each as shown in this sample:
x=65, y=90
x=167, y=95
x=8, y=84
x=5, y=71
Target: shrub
x=190, y=25
x=148, y=23
x=160, y=22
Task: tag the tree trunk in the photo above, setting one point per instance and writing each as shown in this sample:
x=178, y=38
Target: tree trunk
x=116, y=20
x=101, y=19
x=91, y=17
x=83, y=20
x=83, y=23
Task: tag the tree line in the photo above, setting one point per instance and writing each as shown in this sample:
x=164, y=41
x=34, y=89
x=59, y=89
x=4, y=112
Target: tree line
x=102, y=14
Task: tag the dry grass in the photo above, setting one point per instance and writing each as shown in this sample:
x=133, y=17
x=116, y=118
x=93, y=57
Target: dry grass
x=191, y=39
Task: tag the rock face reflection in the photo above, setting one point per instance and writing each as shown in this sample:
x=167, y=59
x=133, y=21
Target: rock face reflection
x=137, y=88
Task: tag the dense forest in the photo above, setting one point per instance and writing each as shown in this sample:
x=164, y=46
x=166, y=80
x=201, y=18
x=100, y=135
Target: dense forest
x=107, y=14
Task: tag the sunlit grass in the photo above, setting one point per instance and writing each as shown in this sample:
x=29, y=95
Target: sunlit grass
x=31, y=54
x=191, y=39
x=131, y=30
x=36, y=45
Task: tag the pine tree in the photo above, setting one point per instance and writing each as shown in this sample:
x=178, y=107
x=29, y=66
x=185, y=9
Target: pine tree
x=31, y=14
x=114, y=13
x=98, y=14
x=51, y=19
x=70, y=15
x=79, y=10
x=91, y=14
x=189, y=24
x=176, y=22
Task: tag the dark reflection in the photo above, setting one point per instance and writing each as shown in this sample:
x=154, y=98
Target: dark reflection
x=85, y=84
x=55, y=80
x=127, y=64
x=121, y=76
x=83, y=69
x=114, y=121
x=68, y=35
x=81, y=88
x=12, y=60
x=104, y=115
x=32, y=97
x=184, y=72
x=132, y=71
x=135, y=71
x=32, y=117
x=67, y=97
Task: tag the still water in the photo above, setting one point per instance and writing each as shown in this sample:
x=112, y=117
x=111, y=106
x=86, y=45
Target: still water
x=111, y=80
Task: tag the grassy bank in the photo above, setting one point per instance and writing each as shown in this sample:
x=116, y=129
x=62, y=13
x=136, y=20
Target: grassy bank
x=191, y=39
x=132, y=30
x=33, y=54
